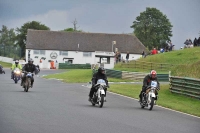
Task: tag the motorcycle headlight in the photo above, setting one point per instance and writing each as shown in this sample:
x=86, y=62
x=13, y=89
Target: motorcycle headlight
x=18, y=72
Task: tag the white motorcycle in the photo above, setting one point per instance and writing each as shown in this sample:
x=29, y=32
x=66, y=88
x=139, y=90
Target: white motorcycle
x=149, y=98
x=99, y=94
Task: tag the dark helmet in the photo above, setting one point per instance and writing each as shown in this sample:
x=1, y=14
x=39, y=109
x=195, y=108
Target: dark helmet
x=16, y=62
x=153, y=74
x=101, y=70
x=30, y=61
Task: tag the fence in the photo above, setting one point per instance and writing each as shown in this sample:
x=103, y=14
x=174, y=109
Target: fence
x=10, y=51
x=74, y=66
x=138, y=76
x=185, y=86
x=147, y=65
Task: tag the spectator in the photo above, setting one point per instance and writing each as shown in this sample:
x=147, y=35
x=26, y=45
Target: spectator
x=127, y=56
x=195, y=42
x=119, y=56
x=143, y=54
x=170, y=46
x=198, y=42
x=188, y=43
x=116, y=57
x=154, y=51
x=161, y=50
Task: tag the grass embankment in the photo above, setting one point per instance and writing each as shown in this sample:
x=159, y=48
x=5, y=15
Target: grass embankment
x=166, y=98
x=188, y=61
x=6, y=65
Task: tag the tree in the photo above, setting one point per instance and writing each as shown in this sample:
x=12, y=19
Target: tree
x=7, y=37
x=22, y=33
x=151, y=27
x=71, y=30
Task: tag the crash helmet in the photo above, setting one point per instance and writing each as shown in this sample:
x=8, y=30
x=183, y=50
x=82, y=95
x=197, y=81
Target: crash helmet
x=30, y=61
x=153, y=74
x=101, y=70
x=16, y=62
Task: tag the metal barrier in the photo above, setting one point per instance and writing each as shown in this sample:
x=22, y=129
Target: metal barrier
x=139, y=76
x=74, y=66
x=147, y=65
x=185, y=86
x=113, y=73
x=163, y=77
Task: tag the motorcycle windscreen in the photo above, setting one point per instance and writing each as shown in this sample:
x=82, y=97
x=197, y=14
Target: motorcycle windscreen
x=101, y=81
x=153, y=84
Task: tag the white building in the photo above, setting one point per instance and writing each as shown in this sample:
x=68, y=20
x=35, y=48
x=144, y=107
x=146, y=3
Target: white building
x=79, y=48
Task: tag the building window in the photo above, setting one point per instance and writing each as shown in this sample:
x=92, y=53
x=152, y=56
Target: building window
x=63, y=53
x=105, y=60
x=36, y=51
x=87, y=54
x=42, y=52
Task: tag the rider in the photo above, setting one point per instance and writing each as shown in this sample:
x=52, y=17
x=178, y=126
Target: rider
x=146, y=82
x=16, y=65
x=29, y=67
x=98, y=75
x=1, y=67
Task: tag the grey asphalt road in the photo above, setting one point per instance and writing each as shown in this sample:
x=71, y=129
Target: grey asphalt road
x=55, y=107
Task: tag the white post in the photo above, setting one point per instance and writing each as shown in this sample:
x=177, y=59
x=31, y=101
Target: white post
x=113, y=43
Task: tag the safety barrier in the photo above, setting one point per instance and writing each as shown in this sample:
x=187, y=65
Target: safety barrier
x=147, y=65
x=74, y=66
x=137, y=76
x=113, y=73
x=185, y=86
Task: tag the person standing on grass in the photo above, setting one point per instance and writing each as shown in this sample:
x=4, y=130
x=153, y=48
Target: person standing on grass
x=127, y=56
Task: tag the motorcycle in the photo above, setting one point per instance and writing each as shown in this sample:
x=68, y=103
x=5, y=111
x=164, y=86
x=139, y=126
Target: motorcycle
x=2, y=71
x=99, y=94
x=149, y=98
x=27, y=82
x=38, y=68
x=16, y=75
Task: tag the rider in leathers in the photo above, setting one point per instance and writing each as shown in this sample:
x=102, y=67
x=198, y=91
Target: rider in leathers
x=29, y=67
x=16, y=65
x=99, y=75
x=147, y=81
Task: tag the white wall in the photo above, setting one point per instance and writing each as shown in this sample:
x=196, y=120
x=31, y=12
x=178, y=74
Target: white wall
x=78, y=58
x=131, y=56
x=6, y=59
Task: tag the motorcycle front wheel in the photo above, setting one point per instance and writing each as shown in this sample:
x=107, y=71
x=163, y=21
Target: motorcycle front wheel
x=152, y=103
x=101, y=101
x=28, y=82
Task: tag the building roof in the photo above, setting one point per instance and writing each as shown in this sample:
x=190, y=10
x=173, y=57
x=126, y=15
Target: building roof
x=80, y=41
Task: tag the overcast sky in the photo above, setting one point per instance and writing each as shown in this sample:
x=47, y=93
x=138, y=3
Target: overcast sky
x=102, y=16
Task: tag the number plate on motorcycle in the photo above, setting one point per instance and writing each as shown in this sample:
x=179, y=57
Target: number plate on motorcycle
x=153, y=84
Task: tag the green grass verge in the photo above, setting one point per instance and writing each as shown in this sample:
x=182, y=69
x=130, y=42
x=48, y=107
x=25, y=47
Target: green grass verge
x=6, y=65
x=80, y=76
x=166, y=98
